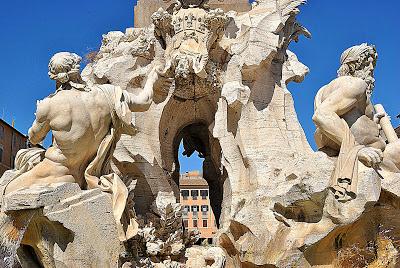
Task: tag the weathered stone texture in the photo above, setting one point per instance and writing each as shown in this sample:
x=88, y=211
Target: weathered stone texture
x=145, y=8
x=217, y=82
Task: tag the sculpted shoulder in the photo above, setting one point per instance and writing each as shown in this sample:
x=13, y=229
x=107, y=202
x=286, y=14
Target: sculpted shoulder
x=349, y=86
x=42, y=109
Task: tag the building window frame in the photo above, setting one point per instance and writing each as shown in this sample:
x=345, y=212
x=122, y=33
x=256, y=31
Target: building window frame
x=205, y=223
x=13, y=160
x=186, y=210
x=204, y=210
x=14, y=140
x=194, y=194
x=204, y=194
x=195, y=225
x=185, y=194
x=195, y=210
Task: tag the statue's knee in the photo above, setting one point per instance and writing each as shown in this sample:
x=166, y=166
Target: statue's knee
x=392, y=152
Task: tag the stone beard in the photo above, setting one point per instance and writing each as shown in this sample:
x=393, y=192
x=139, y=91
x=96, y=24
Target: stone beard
x=360, y=61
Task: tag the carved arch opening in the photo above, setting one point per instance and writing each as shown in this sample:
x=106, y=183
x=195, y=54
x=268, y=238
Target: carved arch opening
x=197, y=138
x=190, y=121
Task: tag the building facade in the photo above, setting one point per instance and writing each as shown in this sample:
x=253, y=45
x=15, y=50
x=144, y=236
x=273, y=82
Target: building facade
x=11, y=141
x=195, y=201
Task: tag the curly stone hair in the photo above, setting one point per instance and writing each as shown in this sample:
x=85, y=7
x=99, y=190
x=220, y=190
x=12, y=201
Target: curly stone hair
x=359, y=61
x=62, y=65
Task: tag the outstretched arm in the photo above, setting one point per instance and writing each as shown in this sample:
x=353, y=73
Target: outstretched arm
x=142, y=101
x=40, y=127
x=328, y=115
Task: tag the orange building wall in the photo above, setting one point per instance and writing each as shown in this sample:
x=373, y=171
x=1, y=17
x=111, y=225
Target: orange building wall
x=205, y=232
x=11, y=141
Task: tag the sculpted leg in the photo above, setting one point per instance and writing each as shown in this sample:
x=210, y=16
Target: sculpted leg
x=325, y=144
x=46, y=172
x=391, y=156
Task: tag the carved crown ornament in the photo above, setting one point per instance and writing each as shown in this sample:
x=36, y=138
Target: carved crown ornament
x=187, y=33
x=191, y=3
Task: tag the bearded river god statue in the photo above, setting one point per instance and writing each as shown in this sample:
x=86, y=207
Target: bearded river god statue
x=348, y=124
x=105, y=193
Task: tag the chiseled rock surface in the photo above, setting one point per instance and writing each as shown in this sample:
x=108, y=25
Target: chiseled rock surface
x=89, y=216
x=369, y=191
x=391, y=183
x=80, y=224
x=201, y=257
x=39, y=196
x=252, y=135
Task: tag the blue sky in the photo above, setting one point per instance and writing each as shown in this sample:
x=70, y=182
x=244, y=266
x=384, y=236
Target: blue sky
x=32, y=31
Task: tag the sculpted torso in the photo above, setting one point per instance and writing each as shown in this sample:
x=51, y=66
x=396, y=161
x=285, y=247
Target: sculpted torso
x=347, y=98
x=79, y=121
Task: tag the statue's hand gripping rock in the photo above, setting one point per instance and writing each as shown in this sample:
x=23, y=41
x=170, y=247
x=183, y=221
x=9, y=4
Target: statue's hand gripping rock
x=371, y=157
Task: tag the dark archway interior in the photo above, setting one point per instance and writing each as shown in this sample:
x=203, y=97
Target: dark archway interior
x=197, y=138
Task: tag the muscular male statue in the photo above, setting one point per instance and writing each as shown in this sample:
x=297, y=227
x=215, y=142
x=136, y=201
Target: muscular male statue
x=345, y=117
x=86, y=122
x=79, y=117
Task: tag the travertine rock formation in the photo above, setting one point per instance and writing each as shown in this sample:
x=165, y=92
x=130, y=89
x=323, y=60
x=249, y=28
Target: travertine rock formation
x=66, y=227
x=217, y=81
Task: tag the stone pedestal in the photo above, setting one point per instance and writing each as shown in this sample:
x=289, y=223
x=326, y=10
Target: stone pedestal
x=76, y=228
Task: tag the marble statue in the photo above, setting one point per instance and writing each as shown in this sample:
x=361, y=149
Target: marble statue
x=105, y=193
x=85, y=122
x=348, y=124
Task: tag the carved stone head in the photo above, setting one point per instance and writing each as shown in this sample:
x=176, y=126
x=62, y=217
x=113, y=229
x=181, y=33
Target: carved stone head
x=64, y=68
x=293, y=69
x=359, y=61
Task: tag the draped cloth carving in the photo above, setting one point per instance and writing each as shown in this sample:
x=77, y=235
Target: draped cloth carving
x=345, y=177
x=98, y=174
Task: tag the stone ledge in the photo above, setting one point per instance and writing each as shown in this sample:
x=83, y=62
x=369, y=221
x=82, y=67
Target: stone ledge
x=40, y=196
